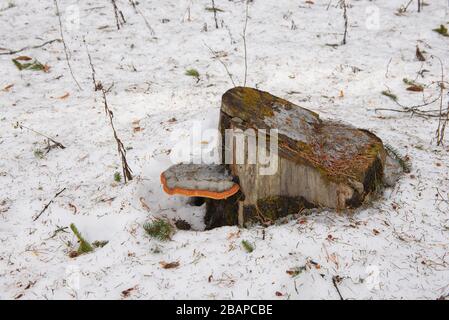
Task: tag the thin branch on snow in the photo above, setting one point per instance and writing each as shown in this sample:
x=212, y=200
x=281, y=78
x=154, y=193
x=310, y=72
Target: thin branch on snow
x=127, y=172
x=221, y=61
x=56, y=143
x=48, y=204
x=335, y=281
x=345, y=17
x=65, y=45
x=9, y=52
x=443, y=115
x=119, y=18
x=244, y=42
x=215, y=14
x=136, y=10
x=97, y=85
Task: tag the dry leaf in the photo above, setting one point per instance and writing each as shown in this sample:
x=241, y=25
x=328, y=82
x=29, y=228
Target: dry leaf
x=279, y=294
x=9, y=86
x=342, y=94
x=23, y=58
x=415, y=88
x=73, y=254
x=127, y=292
x=65, y=96
x=169, y=265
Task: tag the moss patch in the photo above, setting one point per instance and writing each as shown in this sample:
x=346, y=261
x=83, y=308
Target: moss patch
x=270, y=209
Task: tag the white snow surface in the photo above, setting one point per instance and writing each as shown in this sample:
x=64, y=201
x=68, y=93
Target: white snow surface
x=396, y=248
x=198, y=177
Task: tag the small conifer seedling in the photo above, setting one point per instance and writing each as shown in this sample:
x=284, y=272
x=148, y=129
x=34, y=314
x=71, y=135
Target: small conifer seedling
x=247, y=246
x=38, y=153
x=390, y=95
x=193, y=73
x=85, y=246
x=159, y=229
x=442, y=30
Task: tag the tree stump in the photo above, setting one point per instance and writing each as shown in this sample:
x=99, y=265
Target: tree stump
x=317, y=163
x=321, y=163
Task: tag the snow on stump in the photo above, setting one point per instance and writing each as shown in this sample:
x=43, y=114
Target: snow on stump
x=199, y=180
x=321, y=163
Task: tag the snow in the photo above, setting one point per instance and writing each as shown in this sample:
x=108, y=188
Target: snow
x=199, y=177
x=296, y=124
x=397, y=248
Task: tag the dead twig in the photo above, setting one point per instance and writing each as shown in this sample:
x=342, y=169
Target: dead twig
x=10, y=52
x=443, y=117
x=136, y=10
x=97, y=85
x=215, y=14
x=345, y=17
x=119, y=18
x=60, y=229
x=127, y=172
x=65, y=45
x=336, y=280
x=224, y=65
x=56, y=143
x=244, y=42
x=48, y=204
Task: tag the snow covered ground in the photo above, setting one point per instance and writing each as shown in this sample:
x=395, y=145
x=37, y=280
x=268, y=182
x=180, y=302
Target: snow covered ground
x=398, y=248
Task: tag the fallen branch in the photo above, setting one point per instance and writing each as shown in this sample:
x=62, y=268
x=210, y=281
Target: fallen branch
x=65, y=45
x=10, y=52
x=48, y=204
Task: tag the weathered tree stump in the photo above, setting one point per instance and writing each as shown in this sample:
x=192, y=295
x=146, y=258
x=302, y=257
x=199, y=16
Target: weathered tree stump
x=320, y=163
x=311, y=163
